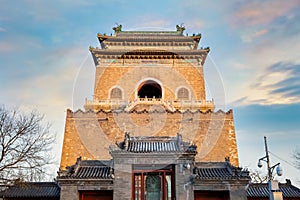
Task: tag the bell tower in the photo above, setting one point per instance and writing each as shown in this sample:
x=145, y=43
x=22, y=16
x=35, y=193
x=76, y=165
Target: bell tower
x=149, y=83
x=145, y=66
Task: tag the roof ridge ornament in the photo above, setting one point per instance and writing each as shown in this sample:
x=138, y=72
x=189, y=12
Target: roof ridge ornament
x=179, y=141
x=117, y=28
x=123, y=145
x=180, y=28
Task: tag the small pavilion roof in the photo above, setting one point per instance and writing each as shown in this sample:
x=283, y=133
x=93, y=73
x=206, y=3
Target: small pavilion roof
x=88, y=169
x=219, y=171
x=155, y=144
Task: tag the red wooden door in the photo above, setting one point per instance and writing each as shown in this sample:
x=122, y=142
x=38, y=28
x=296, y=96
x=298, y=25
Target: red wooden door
x=211, y=195
x=96, y=195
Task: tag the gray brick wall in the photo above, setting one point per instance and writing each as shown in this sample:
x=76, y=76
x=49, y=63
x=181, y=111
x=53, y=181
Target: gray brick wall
x=69, y=192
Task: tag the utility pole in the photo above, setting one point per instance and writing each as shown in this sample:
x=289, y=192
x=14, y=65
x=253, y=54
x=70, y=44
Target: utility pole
x=268, y=159
x=274, y=192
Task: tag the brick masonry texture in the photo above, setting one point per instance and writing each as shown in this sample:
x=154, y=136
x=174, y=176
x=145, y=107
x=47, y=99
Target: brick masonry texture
x=89, y=134
x=129, y=77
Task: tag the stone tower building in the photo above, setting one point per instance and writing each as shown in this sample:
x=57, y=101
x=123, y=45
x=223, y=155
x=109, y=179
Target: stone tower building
x=149, y=83
x=149, y=133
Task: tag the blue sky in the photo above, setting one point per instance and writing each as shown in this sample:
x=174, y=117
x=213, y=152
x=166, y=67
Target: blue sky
x=45, y=62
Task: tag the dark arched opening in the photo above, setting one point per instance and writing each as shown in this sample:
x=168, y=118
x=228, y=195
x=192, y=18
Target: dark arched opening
x=150, y=89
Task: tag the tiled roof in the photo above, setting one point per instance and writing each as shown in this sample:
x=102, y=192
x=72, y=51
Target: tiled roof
x=152, y=146
x=155, y=144
x=150, y=33
x=220, y=171
x=33, y=190
x=212, y=173
x=261, y=190
x=88, y=169
x=92, y=172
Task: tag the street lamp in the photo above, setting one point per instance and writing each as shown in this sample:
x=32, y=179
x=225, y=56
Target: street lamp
x=272, y=185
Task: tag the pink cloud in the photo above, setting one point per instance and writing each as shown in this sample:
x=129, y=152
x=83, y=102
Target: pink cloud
x=248, y=36
x=255, y=13
x=261, y=32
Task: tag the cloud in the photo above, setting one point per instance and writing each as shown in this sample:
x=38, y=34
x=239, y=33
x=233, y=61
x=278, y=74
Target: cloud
x=249, y=36
x=2, y=29
x=195, y=24
x=161, y=23
x=289, y=87
x=44, y=81
x=280, y=83
x=277, y=83
x=272, y=57
x=254, y=13
x=260, y=32
x=238, y=102
x=254, y=20
x=150, y=23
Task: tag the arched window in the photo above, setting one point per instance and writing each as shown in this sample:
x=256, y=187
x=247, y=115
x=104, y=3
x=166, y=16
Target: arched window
x=183, y=94
x=150, y=89
x=116, y=93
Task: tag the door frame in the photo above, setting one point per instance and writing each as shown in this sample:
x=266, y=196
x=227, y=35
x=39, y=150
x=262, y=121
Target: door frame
x=164, y=172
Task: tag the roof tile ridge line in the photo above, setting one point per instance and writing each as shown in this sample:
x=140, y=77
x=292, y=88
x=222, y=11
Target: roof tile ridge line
x=150, y=31
x=77, y=166
x=56, y=182
x=229, y=168
x=36, y=182
x=290, y=185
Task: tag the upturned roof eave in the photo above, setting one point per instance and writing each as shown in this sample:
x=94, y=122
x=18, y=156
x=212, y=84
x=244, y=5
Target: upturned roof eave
x=96, y=51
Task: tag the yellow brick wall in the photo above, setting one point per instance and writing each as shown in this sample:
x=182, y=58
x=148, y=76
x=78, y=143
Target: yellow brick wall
x=72, y=144
x=129, y=76
x=89, y=134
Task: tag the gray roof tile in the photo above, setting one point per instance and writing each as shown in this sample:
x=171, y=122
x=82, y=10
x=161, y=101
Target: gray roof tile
x=33, y=190
x=152, y=146
x=219, y=171
x=88, y=169
x=155, y=144
x=93, y=172
x=261, y=190
x=212, y=173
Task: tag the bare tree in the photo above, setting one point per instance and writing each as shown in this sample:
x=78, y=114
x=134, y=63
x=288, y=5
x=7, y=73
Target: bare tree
x=24, y=146
x=257, y=176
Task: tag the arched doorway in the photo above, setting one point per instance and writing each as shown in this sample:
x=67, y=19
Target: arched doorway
x=150, y=89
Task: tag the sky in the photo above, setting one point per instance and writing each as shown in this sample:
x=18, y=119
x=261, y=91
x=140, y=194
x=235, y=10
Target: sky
x=45, y=63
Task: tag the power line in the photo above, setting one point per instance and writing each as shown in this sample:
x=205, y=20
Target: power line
x=287, y=162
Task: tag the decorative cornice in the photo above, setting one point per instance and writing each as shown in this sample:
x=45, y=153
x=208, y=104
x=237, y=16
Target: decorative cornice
x=71, y=113
x=149, y=54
